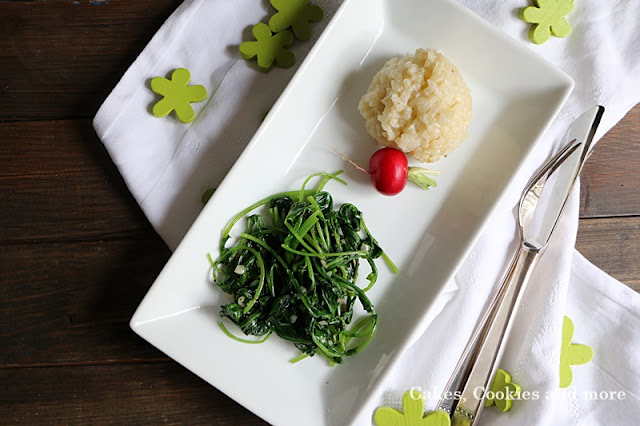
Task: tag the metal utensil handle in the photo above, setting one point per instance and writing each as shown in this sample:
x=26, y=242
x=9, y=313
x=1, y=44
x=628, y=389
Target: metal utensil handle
x=450, y=395
x=491, y=346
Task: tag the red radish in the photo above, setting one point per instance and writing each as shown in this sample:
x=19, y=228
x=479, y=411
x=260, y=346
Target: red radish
x=388, y=168
x=389, y=171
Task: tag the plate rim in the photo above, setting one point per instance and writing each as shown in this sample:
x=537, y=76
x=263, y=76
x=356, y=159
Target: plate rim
x=567, y=85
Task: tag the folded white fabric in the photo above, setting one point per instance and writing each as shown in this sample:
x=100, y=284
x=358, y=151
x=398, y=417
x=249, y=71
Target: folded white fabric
x=167, y=166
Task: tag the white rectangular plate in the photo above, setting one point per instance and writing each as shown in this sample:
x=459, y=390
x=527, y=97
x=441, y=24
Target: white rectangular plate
x=515, y=97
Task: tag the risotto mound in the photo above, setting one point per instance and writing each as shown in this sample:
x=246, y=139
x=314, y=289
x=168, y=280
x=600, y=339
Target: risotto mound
x=419, y=104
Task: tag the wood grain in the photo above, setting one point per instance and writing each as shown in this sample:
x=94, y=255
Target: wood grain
x=58, y=182
x=613, y=245
x=61, y=58
x=77, y=254
x=610, y=184
x=116, y=394
x=70, y=303
x=64, y=303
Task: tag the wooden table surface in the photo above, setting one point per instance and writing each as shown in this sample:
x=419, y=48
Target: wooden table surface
x=77, y=254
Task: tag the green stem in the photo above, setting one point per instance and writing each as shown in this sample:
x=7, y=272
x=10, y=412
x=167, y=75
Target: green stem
x=418, y=175
x=343, y=253
x=326, y=177
x=307, y=261
x=240, y=339
x=374, y=320
x=227, y=230
x=298, y=358
x=299, y=238
x=390, y=264
x=262, y=276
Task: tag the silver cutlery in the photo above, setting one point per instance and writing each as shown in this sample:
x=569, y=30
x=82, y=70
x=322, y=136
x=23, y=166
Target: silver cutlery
x=540, y=207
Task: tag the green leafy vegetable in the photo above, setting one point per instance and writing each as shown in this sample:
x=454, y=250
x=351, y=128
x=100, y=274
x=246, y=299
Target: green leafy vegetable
x=295, y=274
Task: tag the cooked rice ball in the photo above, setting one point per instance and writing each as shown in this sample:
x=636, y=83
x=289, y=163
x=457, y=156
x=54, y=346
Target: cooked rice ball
x=419, y=104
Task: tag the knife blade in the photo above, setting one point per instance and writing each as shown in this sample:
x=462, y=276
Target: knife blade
x=561, y=179
x=540, y=208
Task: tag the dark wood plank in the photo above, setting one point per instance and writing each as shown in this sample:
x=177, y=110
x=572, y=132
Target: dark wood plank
x=58, y=182
x=64, y=303
x=117, y=394
x=613, y=245
x=611, y=177
x=61, y=58
x=75, y=309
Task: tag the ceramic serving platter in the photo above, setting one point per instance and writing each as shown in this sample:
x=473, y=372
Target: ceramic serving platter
x=515, y=94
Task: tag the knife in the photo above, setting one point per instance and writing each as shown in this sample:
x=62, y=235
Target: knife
x=540, y=208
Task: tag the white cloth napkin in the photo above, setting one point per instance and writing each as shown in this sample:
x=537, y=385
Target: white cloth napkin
x=168, y=165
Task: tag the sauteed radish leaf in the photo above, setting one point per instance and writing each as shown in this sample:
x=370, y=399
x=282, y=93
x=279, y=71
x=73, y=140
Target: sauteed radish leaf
x=294, y=274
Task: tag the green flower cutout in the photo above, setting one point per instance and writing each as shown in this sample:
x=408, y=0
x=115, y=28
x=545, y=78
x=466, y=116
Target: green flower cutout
x=571, y=353
x=503, y=391
x=413, y=415
x=206, y=195
x=177, y=95
x=269, y=48
x=548, y=18
x=296, y=14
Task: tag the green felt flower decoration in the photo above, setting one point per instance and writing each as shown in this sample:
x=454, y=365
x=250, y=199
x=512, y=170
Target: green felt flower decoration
x=571, y=353
x=206, y=195
x=269, y=48
x=413, y=415
x=502, y=391
x=548, y=18
x=177, y=95
x=296, y=14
